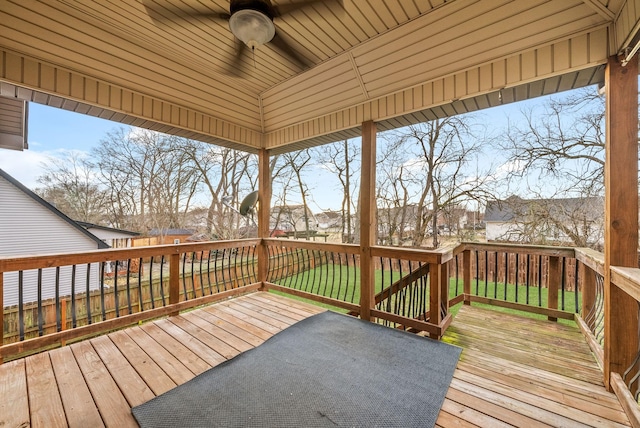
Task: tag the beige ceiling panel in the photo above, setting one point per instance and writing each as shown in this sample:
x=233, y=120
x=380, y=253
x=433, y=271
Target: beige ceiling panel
x=627, y=25
x=500, y=74
x=431, y=46
x=60, y=37
x=329, y=86
x=486, y=43
x=117, y=104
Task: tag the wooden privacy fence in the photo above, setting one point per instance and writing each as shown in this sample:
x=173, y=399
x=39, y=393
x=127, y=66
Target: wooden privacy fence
x=515, y=268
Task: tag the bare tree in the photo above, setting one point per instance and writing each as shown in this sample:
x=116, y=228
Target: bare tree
x=340, y=159
x=552, y=221
x=394, y=194
x=150, y=180
x=564, y=144
x=70, y=184
x=287, y=170
x=225, y=173
x=437, y=169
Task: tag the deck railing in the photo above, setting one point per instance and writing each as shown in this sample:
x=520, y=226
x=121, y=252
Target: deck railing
x=626, y=385
x=537, y=279
x=50, y=299
x=330, y=273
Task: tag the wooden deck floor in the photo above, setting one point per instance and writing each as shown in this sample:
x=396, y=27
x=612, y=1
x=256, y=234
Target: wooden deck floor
x=513, y=372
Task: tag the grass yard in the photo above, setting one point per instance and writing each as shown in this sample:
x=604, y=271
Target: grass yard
x=342, y=283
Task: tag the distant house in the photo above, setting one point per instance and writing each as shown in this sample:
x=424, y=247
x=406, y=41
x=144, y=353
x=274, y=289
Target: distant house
x=575, y=221
x=31, y=226
x=330, y=221
x=291, y=218
x=163, y=237
x=115, y=238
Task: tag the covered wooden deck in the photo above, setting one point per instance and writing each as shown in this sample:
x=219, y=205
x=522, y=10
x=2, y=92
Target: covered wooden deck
x=513, y=371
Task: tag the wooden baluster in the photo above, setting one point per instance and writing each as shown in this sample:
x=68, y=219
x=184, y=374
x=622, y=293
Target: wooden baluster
x=174, y=280
x=553, y=282
x=435, y=295
x=466, y=275
x=444, y=287
x=587, y=279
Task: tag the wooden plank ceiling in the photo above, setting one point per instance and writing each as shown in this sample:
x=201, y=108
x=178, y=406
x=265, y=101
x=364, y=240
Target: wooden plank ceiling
x=170, y=65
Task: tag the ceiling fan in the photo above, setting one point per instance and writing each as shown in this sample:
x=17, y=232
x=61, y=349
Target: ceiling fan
x=252, y=24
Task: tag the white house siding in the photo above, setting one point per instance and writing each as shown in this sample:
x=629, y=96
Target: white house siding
x=499, y=231
x=29, y=228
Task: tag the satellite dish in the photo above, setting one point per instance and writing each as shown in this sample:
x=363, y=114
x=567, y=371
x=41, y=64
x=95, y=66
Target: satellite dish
x=248, y=203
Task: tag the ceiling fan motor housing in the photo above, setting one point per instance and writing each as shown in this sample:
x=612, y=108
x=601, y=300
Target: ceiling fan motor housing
x=251, y=21
x=261, y=6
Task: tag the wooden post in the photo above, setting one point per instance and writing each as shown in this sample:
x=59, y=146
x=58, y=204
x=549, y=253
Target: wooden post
x=264, y=201
x=554, y=278
x=174, y=280
x=621, y=213
x=587, y=289
x=466, y=276
x=435, y=295
x=367, y=219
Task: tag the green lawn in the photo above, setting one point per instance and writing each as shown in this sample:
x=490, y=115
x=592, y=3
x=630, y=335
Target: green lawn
x=340, y=282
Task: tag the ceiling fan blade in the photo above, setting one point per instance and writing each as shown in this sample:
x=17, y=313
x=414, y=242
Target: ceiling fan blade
x=237, y=66
x=281, y=45
x=165, y=11
x=283, y=9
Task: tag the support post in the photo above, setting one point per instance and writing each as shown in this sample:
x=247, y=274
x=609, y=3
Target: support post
x=264, y=201
x=367, y=219
x=587, y=279
x=174, y=280
x=621, y=213
x=466, y=276
x=554, y=278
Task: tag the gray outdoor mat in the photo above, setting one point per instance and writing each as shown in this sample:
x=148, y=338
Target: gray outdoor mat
x=327, y=370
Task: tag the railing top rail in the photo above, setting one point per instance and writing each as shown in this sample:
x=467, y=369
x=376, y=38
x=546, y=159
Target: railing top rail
x=440, y=255
x=592, y=258
x=312, y=245
x=9, y=264
x=518, y=248
x=627, y=279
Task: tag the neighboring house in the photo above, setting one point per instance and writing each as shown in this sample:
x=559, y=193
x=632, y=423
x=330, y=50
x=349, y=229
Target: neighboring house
x=31, y=226
x=575, y=221
x=330, y=222
x=115, y=238
x=291, y=218
x=163, y=237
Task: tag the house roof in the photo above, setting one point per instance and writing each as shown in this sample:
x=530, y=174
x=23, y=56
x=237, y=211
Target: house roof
x=167, y=65
x=515, y=207
x=171, y=232
x=52, y=209
x=87, y=225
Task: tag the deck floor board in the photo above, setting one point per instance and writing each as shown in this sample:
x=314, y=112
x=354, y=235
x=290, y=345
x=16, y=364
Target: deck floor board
x=499, y=371
x=513, y=371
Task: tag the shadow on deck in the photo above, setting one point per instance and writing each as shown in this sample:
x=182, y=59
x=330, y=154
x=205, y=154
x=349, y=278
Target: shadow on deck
x=513, y=370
